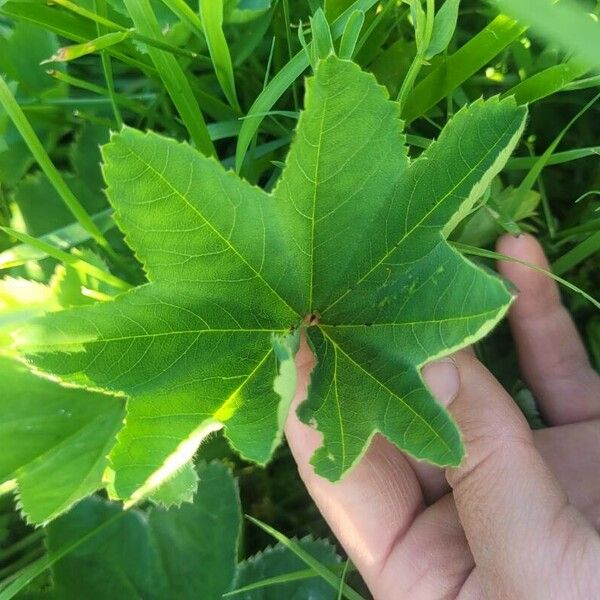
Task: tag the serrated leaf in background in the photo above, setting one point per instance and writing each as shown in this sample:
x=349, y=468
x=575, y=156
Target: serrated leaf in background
x=186, y=552
x=278, y=560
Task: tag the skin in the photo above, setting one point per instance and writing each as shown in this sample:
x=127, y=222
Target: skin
x=520, y=517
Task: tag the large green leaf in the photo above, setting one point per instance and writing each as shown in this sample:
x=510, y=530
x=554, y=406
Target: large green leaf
x=188, y=552
x=55, y=439
x=351, y=242
x=98, y=550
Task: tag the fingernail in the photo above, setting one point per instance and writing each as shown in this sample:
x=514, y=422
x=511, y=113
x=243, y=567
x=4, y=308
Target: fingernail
x=442, y=379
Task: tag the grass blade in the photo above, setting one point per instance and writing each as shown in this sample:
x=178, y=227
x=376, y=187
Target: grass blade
x=125, y=101
x=68, y=25
x=186, y=15
x=309, y=560
x=465, y=249
x=347, y=566
x=578, y=254
x=100, y=8
x=458, y=67
x=286, y=578
x=351, y=33
x=589, y=227
x=67, y=53
x=545, y=83
x=212, y=21
x=68, y=259
x=146, y=39
x=526, y=162
x=12, y=108
x=172, y=76
x=282, y=81
x=535, y=171
x=583, y=84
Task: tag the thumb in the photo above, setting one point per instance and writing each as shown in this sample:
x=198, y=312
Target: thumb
x=527, y=541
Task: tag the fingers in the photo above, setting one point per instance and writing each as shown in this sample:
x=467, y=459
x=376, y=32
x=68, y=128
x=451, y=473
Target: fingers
x=432, y=560
x=378, y=515
x=551, y=354
x=527, y=541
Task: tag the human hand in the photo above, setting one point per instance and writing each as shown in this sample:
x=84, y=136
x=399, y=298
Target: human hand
x=519, y=519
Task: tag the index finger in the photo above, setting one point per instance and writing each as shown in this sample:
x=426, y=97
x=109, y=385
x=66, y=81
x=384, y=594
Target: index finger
x=551, y=354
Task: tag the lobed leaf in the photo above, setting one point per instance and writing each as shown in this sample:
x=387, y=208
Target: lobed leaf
x=186, y=552
x=350, y=247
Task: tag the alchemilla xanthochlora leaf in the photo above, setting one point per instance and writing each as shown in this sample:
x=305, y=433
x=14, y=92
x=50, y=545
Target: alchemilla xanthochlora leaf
x=350, y=246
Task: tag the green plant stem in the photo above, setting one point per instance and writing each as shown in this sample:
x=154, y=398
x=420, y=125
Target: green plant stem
x=419, y=60
x=12, y=108
x=100, y=8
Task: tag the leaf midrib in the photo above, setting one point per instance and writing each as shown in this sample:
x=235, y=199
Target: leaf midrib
x=232, y=396
x=314, y=204
x=435, y=433
x=155, y=335
x=410, y=323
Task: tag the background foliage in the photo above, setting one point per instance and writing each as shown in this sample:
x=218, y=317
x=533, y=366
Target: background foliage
x=229, y=77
